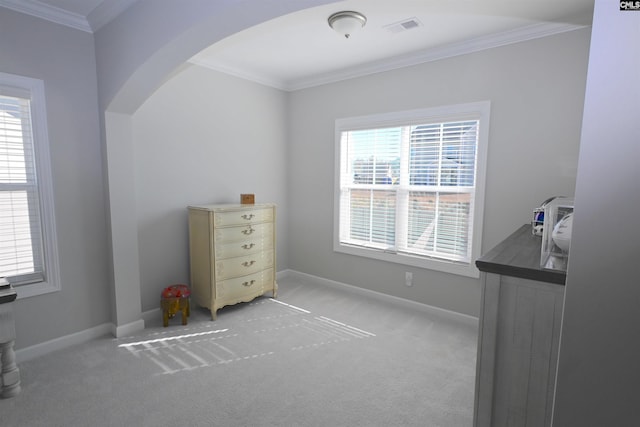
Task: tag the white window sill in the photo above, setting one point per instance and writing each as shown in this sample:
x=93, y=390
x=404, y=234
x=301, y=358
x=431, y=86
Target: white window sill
x=468, y=270
x=34, y=289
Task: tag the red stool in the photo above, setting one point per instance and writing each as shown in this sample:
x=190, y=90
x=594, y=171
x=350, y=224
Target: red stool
x=175, y=298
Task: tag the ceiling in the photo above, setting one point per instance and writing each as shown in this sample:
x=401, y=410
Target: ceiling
x=301, y=50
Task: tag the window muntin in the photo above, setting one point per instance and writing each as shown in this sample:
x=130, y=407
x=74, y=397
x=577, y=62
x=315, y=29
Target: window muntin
x=28, y=256
x=408, y=190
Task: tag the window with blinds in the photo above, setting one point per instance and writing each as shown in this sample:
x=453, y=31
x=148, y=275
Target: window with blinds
x=408, y=188
x=20, y=242
x=23, y=241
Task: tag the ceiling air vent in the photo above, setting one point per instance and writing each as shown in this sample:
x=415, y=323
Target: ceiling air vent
x=407, y=24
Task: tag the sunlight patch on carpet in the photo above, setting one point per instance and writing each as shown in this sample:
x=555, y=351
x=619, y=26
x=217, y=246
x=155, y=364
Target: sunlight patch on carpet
x=261, y=329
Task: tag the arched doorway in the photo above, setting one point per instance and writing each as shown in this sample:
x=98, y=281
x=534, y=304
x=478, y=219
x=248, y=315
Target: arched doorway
x=135, y=53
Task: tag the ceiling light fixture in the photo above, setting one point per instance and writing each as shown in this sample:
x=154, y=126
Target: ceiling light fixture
x=347, y=22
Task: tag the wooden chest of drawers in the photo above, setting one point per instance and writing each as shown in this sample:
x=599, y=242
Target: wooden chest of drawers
x=232, y=254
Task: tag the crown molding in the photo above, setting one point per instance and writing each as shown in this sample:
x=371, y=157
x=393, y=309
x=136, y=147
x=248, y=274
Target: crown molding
x=518, y=35
x=242, y=74
x=106, y=11
x=49, y=13
x=109, y=9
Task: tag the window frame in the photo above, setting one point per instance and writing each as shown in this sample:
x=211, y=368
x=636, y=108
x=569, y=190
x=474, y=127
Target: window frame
x=476, y=111
x=14, y=85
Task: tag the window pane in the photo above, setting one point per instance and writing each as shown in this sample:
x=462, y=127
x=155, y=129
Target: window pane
x=14, y=153
x=373, y=216
x=439, y=223
x=16, y=250
x=459, y=150
x=374, y=156
x=425, y=155
x=443, y=154
x=422, y=214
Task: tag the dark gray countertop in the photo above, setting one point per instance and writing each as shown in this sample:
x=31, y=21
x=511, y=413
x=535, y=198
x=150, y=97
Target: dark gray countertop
x=7, y=294
x=519, y=256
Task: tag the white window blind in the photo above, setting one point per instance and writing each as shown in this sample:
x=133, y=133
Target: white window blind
x=410, y=189
x=20, y=243
x=28, y=253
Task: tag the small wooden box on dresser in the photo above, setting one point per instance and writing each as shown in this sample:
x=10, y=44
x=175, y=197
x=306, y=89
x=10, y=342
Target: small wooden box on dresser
x=518, y=336
x=232, y=254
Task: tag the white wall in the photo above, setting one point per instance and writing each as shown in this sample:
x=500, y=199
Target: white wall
x=203, y=137
x=64, y=59
x=536, y=90
x=598, y=374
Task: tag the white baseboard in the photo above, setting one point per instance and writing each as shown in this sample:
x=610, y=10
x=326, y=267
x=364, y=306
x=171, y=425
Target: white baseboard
x=448, y=314
x=29, y=353
x=37, y=350
x=127, y=329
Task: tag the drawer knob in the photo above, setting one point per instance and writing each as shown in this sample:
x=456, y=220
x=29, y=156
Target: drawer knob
x=248, y=231
x=248, y=283
x=248, y=263
x=248, y=246
x=248, y=216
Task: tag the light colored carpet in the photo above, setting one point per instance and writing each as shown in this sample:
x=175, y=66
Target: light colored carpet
x=317, y=356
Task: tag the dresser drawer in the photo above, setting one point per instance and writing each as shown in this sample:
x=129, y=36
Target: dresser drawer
x=241, y=266
x=245, y=232
x=224, y=219
x=244, y=247
x=241, y=287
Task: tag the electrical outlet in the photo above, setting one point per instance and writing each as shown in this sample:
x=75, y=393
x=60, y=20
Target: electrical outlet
x=408, y=278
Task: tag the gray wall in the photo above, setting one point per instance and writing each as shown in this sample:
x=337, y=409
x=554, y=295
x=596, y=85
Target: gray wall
x=203, y=137
x=544, y=77
x=206, y=137
x=598, y=372
x=536, y=89
x=135, y=54
x=64, y=59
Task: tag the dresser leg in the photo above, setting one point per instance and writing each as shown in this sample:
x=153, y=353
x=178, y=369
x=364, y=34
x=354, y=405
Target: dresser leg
x=10, y=371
